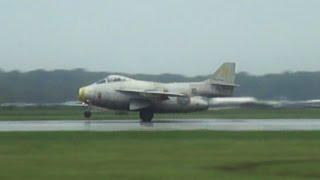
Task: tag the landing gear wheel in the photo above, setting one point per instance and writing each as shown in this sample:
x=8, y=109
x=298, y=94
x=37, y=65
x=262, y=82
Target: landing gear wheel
x=146, y=115
x=87, y=114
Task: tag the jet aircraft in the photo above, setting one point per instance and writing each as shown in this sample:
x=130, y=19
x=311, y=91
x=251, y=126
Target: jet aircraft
x=127, y=94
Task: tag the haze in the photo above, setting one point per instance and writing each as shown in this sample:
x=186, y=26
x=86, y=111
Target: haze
x=147, y=36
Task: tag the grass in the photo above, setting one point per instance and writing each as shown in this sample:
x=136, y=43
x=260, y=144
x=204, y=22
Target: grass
x=159, y=155
x=76, y=113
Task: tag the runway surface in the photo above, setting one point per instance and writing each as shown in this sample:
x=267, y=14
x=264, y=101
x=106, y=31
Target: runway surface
x=164, y=125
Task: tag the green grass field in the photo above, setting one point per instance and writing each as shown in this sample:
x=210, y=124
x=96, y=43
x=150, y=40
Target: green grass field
x=76, y=113
x=159, y=155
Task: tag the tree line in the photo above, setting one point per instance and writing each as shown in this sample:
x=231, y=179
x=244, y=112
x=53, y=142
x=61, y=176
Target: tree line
x=42, y=86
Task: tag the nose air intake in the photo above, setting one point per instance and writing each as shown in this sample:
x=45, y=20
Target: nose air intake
x=82, y=94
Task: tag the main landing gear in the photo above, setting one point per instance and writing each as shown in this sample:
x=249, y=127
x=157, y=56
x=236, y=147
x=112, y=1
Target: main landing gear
x=87, y=114
x=146, y=115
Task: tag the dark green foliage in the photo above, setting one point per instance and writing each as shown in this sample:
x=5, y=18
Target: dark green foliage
x=292, y=86
x=62, y=85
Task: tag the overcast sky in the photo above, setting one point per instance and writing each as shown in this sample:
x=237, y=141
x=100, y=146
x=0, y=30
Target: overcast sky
x=160, y=36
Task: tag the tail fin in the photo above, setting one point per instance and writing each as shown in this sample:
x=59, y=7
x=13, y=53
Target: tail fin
x=225, y=74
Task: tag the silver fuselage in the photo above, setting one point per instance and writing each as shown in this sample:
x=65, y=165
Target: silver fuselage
x=107, y=95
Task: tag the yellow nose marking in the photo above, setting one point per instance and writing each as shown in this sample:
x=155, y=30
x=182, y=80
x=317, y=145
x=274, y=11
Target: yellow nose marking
x=81, y=94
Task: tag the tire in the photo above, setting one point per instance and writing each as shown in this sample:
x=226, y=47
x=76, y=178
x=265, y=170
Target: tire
x=146, y=115
x=87, y=114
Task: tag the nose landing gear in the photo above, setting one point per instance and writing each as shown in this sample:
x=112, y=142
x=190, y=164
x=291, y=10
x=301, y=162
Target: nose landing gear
x=87, y=114
x=87, y=110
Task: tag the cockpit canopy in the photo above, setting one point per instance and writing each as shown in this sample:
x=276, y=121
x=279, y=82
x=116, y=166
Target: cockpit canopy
x=112, y=78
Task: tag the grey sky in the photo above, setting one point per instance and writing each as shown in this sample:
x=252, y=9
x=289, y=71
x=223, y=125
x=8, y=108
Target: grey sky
x=158, y=36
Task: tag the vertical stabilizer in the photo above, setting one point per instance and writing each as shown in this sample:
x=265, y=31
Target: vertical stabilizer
x=225, y=73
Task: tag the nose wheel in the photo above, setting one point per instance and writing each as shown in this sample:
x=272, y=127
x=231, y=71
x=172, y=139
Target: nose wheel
x=146, y=115
x=87, y=110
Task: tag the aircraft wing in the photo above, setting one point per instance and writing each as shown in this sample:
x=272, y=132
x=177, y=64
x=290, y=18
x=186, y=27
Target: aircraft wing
x=152, y=93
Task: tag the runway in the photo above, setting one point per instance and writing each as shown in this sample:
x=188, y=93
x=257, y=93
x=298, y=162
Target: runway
x=164, y=125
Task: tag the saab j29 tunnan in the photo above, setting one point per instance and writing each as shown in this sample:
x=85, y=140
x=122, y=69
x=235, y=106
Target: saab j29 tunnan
x=127, y=94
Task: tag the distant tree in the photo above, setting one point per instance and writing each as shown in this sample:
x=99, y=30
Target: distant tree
x=42, y=86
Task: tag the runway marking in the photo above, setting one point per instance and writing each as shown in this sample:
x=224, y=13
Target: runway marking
x=164, y=125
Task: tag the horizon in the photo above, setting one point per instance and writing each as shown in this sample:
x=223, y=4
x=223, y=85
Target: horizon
x=158, y=74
